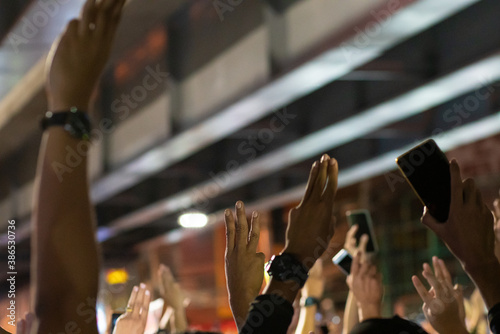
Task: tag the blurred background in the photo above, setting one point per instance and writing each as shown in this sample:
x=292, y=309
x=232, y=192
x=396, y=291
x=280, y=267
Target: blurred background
x=206, y=102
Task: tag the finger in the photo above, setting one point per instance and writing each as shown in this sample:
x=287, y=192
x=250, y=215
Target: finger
x=230, y=231
x=105, y=16
x=133, y=297
x=363, y=241
x=87, y=17
x=469, y=187
x=145, y=305
x=352, y=232
x=429, y=276
x=432, y=223
x=456, y=185
x=114, y=21
x=241, y=225
x=21, y=327
x=136, y=307
x=331, y=187
x=356, y=263
x=320, y=183
x=254, y=232
x=310, y=183
x=364, y=268
x=421, y=290
x=437, y=269
x=496, y=206
x=30, y=317
x=445, y=272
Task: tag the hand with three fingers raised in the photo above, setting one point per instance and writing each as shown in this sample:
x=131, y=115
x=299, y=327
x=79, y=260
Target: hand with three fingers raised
x=133, y=321
x=244, y=266
x=443, y=304
x=311, y=223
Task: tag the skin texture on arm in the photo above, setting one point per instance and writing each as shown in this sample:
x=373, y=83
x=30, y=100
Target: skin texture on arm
x=314, y=288
x=468, y=234
x=64, y=252
x=134, y=320
x=244, y=266
x=443, y=304
x=311, y=223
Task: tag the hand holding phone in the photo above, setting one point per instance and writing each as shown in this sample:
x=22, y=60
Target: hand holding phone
x=427, y=170
x=363, y=220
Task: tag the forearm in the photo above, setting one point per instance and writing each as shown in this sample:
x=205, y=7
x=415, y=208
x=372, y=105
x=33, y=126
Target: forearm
x=351, y=314
x=64, y=252
x=486, y=276
x=307, y=320
x=180, y=321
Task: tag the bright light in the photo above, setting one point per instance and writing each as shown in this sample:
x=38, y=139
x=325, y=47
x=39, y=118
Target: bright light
x=193, y=220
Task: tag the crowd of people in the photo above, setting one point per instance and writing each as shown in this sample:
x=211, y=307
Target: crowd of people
x=65, y=255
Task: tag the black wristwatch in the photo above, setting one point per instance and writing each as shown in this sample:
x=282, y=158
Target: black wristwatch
x=286, y=267
x=310, y=301
x=74, y=121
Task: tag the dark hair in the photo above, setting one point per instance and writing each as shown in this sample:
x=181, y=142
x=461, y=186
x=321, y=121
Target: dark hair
x=394, y=325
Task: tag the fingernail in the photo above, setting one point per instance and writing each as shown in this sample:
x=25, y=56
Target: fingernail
x=315, y=164
x=239, y=204
x=136, y=288
x=333, y=162
x=323, y=158
x=255, y=214
x=143, y=286
x=227, y=212
x=147, y=292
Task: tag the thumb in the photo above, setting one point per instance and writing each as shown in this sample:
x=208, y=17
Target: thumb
x=432, y=223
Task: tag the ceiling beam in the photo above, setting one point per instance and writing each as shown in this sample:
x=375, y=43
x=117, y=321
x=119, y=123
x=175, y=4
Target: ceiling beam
x=425, y=97
x=327, y=67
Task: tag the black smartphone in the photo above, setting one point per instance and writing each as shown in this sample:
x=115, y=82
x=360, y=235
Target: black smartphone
x=114, y=318
x=343, y=260
x=363, y=219
x=427, y=170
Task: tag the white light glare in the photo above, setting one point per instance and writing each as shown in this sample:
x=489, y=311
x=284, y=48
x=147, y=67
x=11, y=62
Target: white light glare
x=193, y=220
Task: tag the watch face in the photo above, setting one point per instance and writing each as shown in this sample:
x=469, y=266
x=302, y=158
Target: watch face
x=77, y=126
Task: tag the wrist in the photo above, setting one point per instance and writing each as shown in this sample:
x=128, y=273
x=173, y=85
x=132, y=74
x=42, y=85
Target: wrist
x=369, y=311
x=67, y=104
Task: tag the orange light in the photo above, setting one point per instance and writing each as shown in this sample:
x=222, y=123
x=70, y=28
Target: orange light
x=117, y=276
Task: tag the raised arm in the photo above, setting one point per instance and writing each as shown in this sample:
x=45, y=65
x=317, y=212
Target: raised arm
x=469, y=235
x=310, y=228
x=244, y=266
x=64, y=253
x=443, y=304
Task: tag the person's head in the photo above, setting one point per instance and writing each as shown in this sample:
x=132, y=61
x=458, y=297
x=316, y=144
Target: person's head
x=394, y=325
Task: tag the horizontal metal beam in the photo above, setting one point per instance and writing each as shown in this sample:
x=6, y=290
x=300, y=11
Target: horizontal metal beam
x=406, y=105
x=329, y=66
x=450, y=140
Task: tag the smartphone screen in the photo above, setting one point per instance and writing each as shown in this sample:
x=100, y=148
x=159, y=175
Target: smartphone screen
x=343, y=260
x=363, y=219
x=427, y=170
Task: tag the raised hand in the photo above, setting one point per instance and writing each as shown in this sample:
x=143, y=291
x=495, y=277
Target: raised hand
x=170, y=290
x=244, y=266
x=467, y=233
x=443, y=304
x=173, y=296
x=311, y=223
x=134, y=320
x=350, y=243
x=23, y=326
x=77, y=60
x=366, y=285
